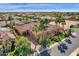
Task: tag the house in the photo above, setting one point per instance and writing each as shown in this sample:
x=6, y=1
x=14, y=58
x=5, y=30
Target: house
x=69, y=17
x=70, y=22
x=1, y=18
x=46, y=17
x=7, y=33
x=50, y=31
x=26, y=30
x=21, y=29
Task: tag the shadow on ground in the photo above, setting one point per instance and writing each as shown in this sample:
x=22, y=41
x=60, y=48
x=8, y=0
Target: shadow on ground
x=44, y=53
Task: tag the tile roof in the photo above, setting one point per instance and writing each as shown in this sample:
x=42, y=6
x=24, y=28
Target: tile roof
x=6, y=33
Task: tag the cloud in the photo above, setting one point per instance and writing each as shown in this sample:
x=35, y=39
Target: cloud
x=39, y=7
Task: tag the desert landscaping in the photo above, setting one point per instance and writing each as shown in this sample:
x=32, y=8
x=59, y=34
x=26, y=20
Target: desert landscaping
x=30, y=33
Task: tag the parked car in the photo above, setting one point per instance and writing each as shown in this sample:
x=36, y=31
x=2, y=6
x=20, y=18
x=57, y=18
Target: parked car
x=68, y=41
x=64, y=46
x=61, y=49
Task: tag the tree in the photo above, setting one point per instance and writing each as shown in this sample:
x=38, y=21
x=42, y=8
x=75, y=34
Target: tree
x=10, y=19
x=22, y=47
x=57, y=20
x=60, y=20
x=25, y=17
x=11, y=24
x=5, y=46
x=43, y=40
x=43, y=23
x=1, y=51
x=35, y=28
x=6, y=43
x=20, y=19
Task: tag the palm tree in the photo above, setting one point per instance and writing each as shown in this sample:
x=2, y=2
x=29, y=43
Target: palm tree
x=57, y=21
x=10, y=19
x=43, y=23
x=35, y=28
x=43, y=40
x=11, y=24
x=60, y=20
x=25, y=18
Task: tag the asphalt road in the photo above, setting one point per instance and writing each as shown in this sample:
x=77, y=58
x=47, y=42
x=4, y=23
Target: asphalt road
x=53, y=51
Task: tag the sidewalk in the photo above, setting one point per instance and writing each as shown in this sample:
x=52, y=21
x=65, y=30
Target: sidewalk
x=52, y=46
x=74, y=53
x=56, y=43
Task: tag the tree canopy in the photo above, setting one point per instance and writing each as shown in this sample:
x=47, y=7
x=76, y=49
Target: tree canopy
x=22, y=47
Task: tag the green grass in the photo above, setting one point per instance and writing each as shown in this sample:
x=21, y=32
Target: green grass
x=75, y=27
x=61, y=36
x=51, y=42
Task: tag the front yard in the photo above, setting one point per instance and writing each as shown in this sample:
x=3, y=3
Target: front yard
x=56, y=39
x=74, y=26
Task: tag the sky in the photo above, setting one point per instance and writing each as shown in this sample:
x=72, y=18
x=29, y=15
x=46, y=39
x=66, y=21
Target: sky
x=39, y=7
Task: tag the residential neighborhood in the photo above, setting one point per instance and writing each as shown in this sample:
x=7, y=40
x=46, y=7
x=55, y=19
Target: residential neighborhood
x=39, y=33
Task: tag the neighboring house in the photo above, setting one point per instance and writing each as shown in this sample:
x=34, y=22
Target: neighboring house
x=46, y=17
x=50, y=31
x=1, y=18
x=7, y=33
x=70, y=22
x=69, y=17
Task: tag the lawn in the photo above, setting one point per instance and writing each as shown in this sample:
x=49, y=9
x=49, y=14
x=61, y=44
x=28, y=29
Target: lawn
x=61, y=37
x=51, y=42
x=75, y=27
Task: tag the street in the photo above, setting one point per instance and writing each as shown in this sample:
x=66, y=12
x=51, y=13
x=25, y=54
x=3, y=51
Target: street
x=53, y=51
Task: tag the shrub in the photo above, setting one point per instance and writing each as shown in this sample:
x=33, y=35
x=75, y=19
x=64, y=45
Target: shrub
x=71, y=26
x=43, y=40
